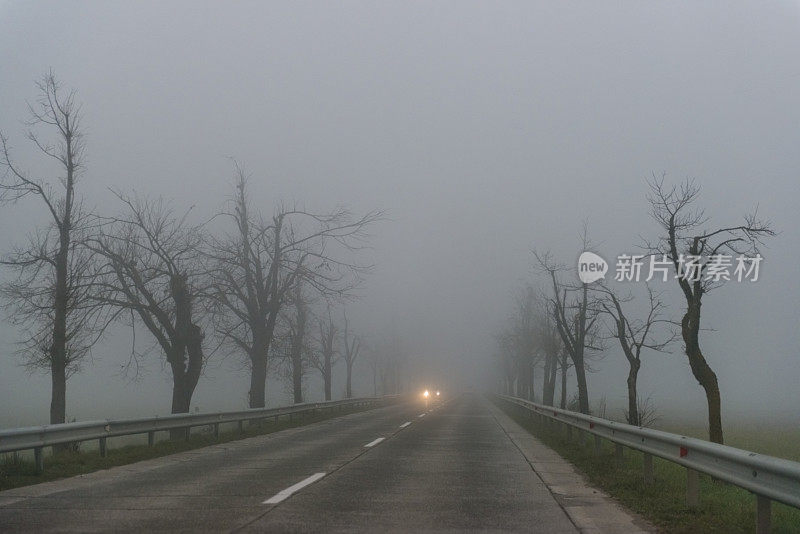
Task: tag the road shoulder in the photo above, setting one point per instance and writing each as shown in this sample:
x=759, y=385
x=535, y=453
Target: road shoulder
x=589, y=508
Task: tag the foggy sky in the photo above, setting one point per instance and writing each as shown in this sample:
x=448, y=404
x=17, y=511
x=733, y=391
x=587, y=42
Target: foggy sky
x=484, y=129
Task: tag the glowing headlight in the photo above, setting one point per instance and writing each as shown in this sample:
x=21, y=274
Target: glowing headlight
x=438, y=393
x=426, y=394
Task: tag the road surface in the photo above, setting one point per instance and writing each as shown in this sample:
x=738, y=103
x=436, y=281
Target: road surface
x=462, y=465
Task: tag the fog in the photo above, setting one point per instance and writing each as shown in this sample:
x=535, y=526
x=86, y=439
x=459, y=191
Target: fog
x=483, y=130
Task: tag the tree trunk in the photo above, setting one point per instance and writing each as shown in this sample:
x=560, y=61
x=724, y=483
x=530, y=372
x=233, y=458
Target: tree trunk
x=564, y=382
x=633, y=407
x=583, y=391
x=349, y=387
x=708, y=380
x=549, y=380
x=258, y=380
x=181, y=399
x=58, y=351
x=327, y=376
x=690, y=328
x=297, y=381
x=531, y=383
x=58, y=400
x=546, y=379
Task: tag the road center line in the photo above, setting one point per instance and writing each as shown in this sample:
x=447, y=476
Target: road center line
x=421, y=415
x=374, y=442
x=405, y=424
x=284, y=494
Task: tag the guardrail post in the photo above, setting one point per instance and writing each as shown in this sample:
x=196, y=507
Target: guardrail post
x=216, y=430
x=569, y=432
x=692, y=488
x=647, y=464
x=151, y=438
x=763, y=515
x=619, y=454
x=103, y=450
x=241, y=426
x=38, y=460
x=598, y=445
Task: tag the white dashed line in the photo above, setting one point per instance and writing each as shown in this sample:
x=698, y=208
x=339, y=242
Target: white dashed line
x=421, y=415
x=375, y=442
x=281, y=495
x=405, y=424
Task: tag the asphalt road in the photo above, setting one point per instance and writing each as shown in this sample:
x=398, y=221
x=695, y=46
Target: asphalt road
x=453, y=468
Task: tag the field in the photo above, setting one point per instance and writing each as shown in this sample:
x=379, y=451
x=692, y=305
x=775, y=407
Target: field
x=723, y=508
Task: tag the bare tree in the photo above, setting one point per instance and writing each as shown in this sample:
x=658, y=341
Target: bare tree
x=153, y=269
x=352, y=348
x=524, y=341
x=575, y=318
x=505, y=355
x=326, y=355
x=519, y=344
x=633, y=336
x=683, y=237
x=256, y=267
x=50, y=296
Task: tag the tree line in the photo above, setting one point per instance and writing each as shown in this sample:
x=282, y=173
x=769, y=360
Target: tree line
x=267, y=287
x=564, y=328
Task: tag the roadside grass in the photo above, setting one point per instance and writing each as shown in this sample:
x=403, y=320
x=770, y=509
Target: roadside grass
x=17, y=470
x=723, y=508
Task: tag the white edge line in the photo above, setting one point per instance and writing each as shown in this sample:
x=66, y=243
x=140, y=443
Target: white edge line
x=421, y=415
x=405, y=424
x=374, y=442
x=284, y=494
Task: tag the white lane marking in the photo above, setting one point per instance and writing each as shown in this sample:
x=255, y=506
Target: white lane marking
x=405, y=424
x=421, y=415
x=284, y=494
x=374, y=442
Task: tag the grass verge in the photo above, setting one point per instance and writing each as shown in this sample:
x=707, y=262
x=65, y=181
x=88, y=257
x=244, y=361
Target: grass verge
x=17, y=471
x=723, y=508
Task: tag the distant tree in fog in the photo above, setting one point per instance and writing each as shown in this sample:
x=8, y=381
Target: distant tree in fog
x=351, y=345
x=326, y=353
x=524, y=341
x=50, y=296
x=529, y=340
x=684, y=235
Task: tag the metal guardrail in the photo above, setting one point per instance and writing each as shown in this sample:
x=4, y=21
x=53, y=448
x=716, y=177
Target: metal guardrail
x=769, y=478
x=38, y=437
